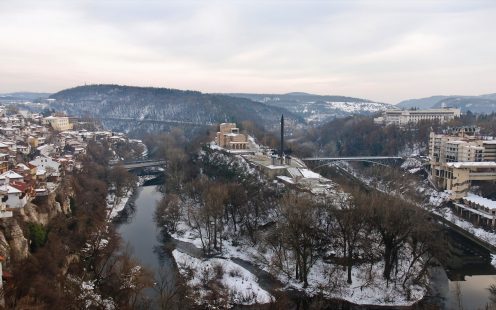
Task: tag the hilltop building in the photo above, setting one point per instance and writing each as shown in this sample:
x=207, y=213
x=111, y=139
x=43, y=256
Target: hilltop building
x=459, y=157
x=404, y=117
x=228, y=137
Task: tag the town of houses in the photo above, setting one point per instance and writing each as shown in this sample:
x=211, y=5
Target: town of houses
x=36, y=152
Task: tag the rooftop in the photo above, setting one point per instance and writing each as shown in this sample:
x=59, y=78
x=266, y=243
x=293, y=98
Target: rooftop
x=484, y=202
x=473, y=164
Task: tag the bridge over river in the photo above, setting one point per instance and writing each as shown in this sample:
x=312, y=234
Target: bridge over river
x=138, y=164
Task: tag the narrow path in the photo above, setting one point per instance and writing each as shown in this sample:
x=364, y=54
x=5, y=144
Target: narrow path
x=187, y=248
x=266, y=281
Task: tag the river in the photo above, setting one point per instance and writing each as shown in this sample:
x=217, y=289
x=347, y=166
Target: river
x=470, y=282
x=137, y=228
x=466, y=283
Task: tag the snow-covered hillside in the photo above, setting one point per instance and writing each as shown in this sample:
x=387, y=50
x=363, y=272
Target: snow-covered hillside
x=316, y=108
x=152, y=109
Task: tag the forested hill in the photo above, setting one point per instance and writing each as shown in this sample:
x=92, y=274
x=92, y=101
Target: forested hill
x=163, y=104
x=319, y=108
x=359, y=136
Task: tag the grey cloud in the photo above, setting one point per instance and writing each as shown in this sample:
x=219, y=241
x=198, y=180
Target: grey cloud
x=383, y=50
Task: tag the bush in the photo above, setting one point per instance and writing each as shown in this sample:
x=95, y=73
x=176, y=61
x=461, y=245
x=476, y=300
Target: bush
x=235, y=273
x=218, y=271
x=37, y=235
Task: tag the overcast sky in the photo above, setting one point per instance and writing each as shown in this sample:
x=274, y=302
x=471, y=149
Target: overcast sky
x=380, y=50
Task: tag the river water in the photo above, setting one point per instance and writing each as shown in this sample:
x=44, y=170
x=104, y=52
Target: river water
x=140, y=231
x=138, y=228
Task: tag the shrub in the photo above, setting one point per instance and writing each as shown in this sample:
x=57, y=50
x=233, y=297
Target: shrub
x=37, y=235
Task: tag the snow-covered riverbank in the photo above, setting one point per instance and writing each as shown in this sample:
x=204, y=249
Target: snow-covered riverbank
x=115, y=204
x=242, y=286
x=325, y=279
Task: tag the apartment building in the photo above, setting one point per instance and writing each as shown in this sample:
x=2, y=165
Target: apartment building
x=459, y=157
x=404, y=117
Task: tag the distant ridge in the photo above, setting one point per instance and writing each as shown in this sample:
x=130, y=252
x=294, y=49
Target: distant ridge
x=146, y=104
x=476, y=104
x=23, y=96
x=318, y=108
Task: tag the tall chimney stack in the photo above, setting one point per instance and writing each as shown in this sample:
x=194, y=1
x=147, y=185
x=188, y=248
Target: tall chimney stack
x=281, y=152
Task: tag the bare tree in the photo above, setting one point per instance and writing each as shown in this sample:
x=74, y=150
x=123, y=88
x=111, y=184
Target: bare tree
x=168, y=212
x=350, y=221
x=393, y=219
x=301, y=233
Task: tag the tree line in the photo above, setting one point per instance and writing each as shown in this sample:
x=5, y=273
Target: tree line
x=358, y=135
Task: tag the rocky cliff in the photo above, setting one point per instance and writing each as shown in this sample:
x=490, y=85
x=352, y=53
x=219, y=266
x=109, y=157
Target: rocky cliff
x=14, y=233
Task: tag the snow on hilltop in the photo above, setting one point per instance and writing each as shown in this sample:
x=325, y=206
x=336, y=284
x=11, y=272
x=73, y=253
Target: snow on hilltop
x=316, y=108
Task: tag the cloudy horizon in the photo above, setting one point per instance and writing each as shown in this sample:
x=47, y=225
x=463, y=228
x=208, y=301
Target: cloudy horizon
x=380, y=50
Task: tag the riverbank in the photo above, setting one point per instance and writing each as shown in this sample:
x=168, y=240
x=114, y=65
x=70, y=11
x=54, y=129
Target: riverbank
x=326, y=280
x=153, y=249
x=116, y=204
x=245, y=280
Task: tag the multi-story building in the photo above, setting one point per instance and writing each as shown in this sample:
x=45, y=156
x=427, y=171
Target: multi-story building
x=404, y=117
x=59, y=123
x=229, y=137
x=460, y=157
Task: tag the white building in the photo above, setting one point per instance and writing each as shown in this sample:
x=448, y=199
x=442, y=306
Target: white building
x=460, y=157
x=12, y=197
x=46, y=163
x=404, y=117
x=9, y=176
x=59, y=123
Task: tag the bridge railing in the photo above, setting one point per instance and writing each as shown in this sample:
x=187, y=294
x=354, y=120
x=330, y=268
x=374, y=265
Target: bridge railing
x=131, y=162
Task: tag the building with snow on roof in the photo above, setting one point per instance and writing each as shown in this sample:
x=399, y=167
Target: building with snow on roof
x=47, y=164
x=459, y=157
x=478, y=209
x=12, y=197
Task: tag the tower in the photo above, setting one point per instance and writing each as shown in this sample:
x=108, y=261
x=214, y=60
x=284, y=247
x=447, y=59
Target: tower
x=281, y=151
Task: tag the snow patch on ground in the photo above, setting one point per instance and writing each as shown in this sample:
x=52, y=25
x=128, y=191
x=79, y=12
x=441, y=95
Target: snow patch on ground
x=493, y=260
x=242, y=285
x=410, y=163
x=116, y=204
x=307, y=173
x=186, y=234
x=368, y=286
x=414, y=170
x=362, y=291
